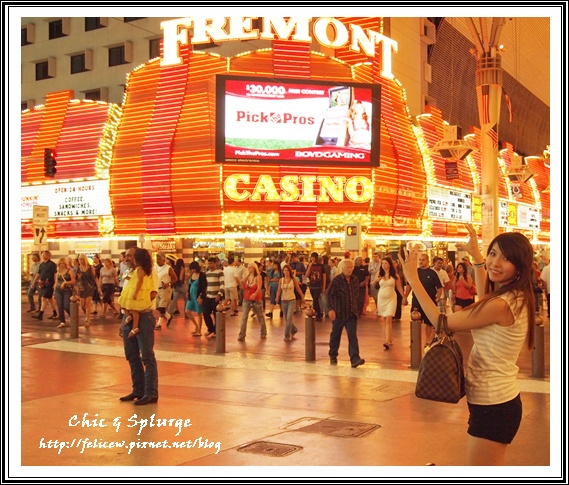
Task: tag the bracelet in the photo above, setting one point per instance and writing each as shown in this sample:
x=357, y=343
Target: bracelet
x=479, y=265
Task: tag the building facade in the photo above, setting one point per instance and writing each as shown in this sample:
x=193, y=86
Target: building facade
x=149, y=170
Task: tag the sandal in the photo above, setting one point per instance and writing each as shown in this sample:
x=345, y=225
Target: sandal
x=87, y=324
x=133, y=333
x=195, y=334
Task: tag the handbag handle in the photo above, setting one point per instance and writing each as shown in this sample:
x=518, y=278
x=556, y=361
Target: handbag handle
x=442, y=322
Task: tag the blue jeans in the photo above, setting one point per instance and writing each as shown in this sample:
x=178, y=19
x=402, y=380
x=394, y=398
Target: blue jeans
x=139, y=351
x=273, y=294
x=176, y=293
x=288, y=312
x=62, y=298
x=31, y=292
x=351, y=325
x=257, y=307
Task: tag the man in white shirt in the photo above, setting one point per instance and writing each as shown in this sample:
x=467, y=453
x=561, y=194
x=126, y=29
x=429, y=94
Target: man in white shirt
x=443, y=276
x=34, y=270
x=241, y=275
x=167, y=278
x=373, y=268
x=230, y=274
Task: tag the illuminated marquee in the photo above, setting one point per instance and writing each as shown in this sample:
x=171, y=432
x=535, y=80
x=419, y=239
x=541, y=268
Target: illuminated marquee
x=220, y=29
x=66, y=200
x=298, y=188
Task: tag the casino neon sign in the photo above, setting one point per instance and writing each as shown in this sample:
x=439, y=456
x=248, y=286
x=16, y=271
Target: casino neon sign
x=301, y=188
x=327, y=31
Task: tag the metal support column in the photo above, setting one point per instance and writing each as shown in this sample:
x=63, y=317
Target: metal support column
x=538, y=353
x=416, y=339
x=74, y=317
x=220, y=332
x=310, y=338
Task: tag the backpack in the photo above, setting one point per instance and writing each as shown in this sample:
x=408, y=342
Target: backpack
x=441, y=372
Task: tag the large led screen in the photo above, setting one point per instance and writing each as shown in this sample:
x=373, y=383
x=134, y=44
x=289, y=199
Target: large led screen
x=268, y=120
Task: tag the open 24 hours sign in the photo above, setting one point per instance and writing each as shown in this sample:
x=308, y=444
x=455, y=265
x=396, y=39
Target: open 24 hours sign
x=66, y=200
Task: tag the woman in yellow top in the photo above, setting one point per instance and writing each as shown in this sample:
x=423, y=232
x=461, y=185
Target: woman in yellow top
x=136, y=298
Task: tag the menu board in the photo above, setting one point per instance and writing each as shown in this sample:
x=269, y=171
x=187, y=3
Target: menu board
x=523, y=216
x=503, y=213
x=68, y=199
x=449, y=204
x=528, y=217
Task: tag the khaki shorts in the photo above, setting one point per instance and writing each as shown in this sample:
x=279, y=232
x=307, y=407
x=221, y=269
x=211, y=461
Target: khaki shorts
x=164, y=297
x=231, y=293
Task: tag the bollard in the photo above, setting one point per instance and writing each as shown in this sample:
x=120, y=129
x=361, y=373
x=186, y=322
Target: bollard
x=74, y=317
x=416, y=334
x=537, y=355
x=220, y=329
x=310, y=335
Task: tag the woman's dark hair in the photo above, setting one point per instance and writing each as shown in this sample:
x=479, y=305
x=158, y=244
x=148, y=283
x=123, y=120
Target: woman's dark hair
x=464, y=271
x=142, y=258
x=195, y=266
x=179, y=268
x=517, y=249
x=392, y=271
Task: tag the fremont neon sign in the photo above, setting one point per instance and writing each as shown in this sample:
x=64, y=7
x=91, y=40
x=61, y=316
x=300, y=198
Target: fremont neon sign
x=327, y=31
x=298, y=188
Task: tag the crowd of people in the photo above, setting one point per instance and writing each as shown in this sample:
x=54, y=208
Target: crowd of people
x=496, y=298
x=94, y=284
x=202, y=285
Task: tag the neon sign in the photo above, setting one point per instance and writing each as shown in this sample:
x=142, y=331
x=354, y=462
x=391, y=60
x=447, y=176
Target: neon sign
x=327, y=31
x=298, y=188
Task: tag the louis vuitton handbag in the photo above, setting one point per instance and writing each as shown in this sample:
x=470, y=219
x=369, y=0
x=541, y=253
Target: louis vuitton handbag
x=441, y=372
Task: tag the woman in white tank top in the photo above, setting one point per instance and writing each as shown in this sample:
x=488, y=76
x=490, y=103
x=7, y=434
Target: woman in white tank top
x=285, y=294
x=500, y=321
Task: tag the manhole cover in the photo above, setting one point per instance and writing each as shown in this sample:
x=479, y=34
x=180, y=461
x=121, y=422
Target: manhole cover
x=344, y=429
x=388, y=392
x=269, y=449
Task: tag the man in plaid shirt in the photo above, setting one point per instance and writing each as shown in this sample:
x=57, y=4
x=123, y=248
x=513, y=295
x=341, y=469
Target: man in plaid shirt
x=342, y=297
